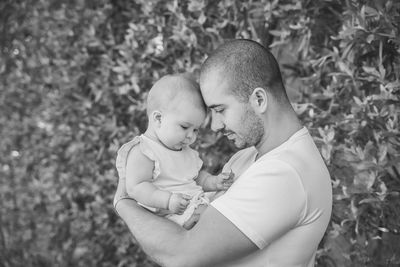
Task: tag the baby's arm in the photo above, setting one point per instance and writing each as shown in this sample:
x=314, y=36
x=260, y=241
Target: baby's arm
x=139, y=177
x=214, y=183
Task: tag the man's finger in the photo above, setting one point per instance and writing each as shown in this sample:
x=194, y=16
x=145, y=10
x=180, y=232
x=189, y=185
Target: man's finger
x=227, y=183
x=227, y=175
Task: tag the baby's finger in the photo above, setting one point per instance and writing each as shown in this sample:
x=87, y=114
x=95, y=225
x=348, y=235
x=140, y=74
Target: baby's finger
x=186, y=197
x=185, y=204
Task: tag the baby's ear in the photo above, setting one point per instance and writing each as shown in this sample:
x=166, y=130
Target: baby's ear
x=156, y=116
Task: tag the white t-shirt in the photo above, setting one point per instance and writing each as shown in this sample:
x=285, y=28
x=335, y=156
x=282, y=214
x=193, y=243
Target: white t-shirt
x=282, y=202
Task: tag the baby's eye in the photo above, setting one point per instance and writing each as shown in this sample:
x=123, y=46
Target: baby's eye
x=184, y=127
x=219, y=110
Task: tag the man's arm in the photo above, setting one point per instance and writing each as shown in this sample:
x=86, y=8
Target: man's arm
x=212, y=241
x=280, y=202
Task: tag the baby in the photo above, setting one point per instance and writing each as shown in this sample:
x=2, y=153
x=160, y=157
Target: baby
x=162, y=172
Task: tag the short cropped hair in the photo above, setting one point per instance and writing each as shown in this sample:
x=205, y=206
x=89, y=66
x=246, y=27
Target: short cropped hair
x=248, y=65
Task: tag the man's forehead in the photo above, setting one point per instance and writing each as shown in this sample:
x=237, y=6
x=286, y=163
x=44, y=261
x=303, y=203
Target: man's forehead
x=214, y=89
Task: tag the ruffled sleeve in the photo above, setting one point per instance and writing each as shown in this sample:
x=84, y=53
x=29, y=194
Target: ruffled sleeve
x=148, y=151
x=123, y=152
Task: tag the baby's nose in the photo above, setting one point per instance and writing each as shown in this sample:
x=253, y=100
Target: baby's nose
x=190, y=135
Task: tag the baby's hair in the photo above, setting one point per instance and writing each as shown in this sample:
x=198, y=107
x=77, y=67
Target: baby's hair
x=170, y=90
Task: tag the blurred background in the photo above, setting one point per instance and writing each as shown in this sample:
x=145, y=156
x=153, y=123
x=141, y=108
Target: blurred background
x=74, y=76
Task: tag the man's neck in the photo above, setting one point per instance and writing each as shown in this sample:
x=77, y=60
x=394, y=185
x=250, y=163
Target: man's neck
x=278, y=132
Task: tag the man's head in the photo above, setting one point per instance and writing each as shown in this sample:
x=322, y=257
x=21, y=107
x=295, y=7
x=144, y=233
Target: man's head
x=175, y=110
x=239, y=81
x=248, y=65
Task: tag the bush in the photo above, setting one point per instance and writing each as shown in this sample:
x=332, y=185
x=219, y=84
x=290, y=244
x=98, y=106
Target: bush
x=74, y=78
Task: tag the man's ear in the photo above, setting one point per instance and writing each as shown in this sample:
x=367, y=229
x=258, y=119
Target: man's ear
x=156, y=117
x=259, y=100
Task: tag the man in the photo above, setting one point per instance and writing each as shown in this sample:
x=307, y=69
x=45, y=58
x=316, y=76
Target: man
x=277, y=210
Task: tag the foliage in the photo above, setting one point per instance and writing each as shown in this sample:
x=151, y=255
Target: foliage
x=74, y=76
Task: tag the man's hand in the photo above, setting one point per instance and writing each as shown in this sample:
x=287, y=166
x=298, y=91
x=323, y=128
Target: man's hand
x=178, y=202
x=224, y=180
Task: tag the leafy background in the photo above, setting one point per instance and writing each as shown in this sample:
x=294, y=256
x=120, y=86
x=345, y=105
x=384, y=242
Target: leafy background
x=74, y=75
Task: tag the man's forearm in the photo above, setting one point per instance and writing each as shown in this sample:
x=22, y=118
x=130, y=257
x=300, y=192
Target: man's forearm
x=160, y=238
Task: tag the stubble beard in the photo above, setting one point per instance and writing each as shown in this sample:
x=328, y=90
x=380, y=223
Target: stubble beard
x=253, y=130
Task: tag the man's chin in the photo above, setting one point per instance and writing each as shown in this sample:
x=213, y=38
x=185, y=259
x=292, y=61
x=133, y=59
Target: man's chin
x=239, y=144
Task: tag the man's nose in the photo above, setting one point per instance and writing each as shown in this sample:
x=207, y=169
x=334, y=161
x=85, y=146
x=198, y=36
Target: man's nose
x=216, y=124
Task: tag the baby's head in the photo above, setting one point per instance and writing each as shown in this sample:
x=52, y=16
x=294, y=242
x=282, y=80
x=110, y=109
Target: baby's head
x=175, y=110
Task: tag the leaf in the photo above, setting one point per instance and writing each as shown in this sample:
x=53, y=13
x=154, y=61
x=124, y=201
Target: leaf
x=382, y=72
x=370, y=38
x=326, y=152
x=369, y=11
x=382, y=153
x=371, y=70
x=345, y=68
x=300, y=108
x=368, y=201
x=358, y=101
x=364, y=180
x=196, y=5
x=383, y=191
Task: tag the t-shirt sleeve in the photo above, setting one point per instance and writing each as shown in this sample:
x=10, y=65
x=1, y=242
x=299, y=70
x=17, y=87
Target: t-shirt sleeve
x=265, y=202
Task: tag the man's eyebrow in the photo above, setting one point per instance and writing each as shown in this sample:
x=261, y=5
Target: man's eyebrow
x=214, y=106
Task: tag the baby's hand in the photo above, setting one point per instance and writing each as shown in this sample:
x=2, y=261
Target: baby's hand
x=224, y=180
x=178, y=203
